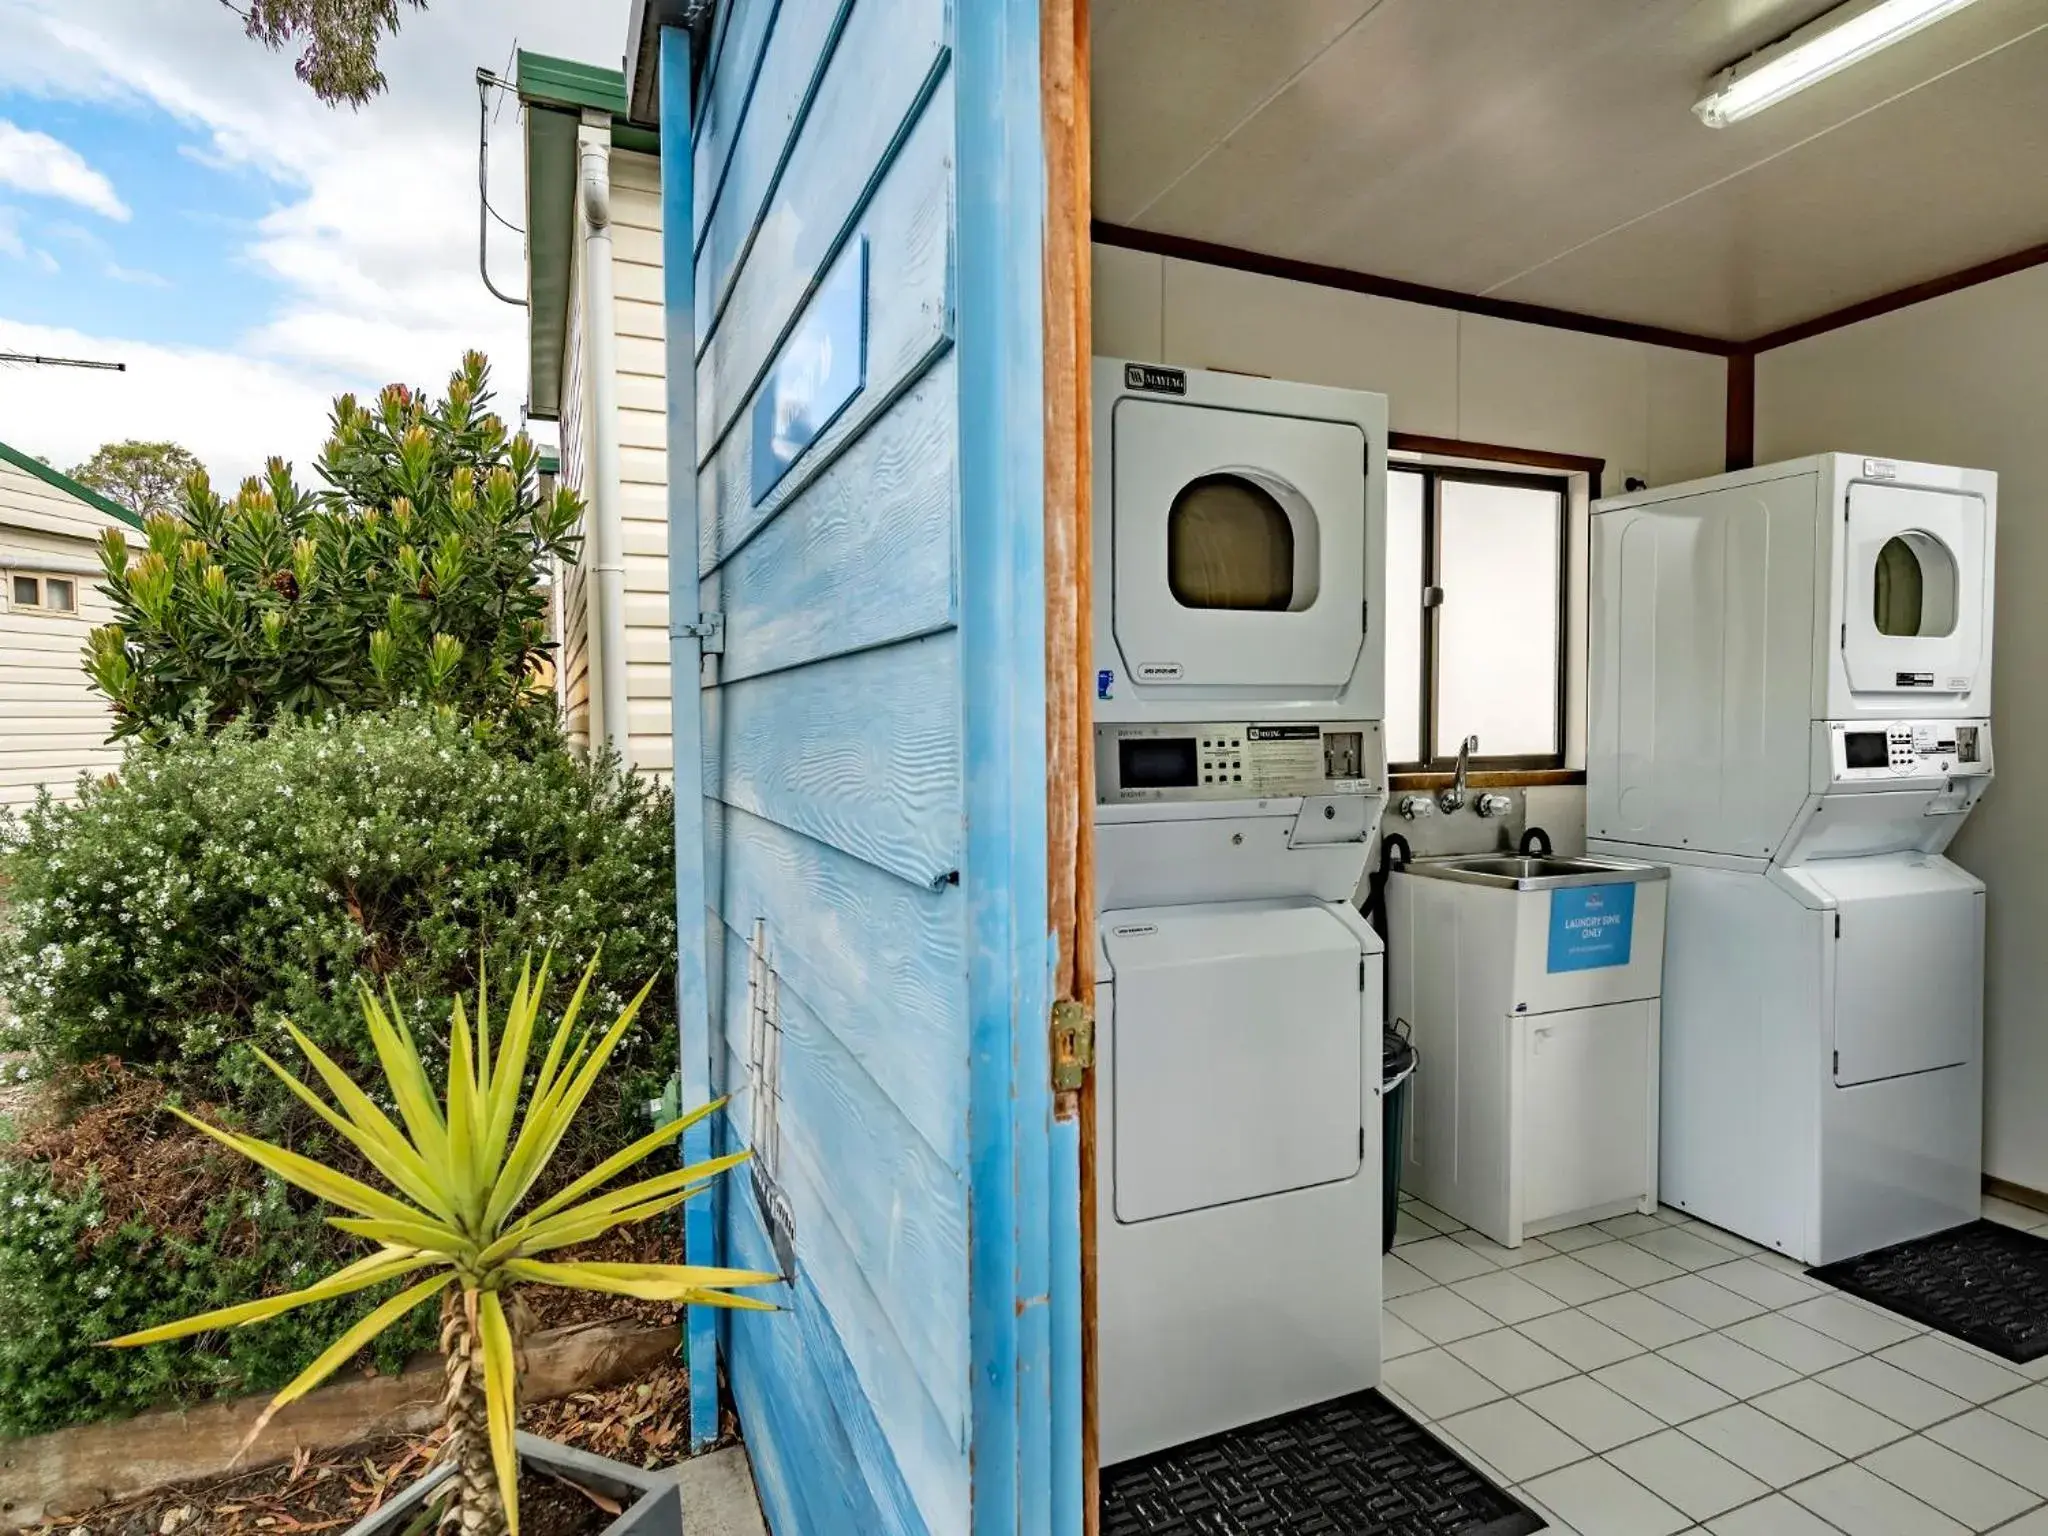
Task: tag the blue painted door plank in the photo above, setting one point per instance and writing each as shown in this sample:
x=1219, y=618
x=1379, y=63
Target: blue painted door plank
x=882, y=959
x=1000, y=337
x=833, y=1469
x=743, y=29
x=881, y=1230
x=799, y=52
x=862, y=558
x=685, y=659
x=908, y=230
x=861, y=752
x=882, y=76
x=1065, y=1312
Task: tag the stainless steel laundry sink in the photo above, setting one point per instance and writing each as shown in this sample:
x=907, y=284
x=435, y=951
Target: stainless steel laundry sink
x=1542, y=872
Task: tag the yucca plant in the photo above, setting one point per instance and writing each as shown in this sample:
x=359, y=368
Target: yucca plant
x=460, y=1169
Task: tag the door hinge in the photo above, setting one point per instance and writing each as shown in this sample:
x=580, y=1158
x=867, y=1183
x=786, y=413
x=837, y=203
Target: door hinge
x=1361, y=973
x=1361, y=1143
x=1838, y=1063
x=1365, y=615
x=1432, y=597
x=1845, y=635
x=1073, y=1045
x=1838, y=925
x=708, y=631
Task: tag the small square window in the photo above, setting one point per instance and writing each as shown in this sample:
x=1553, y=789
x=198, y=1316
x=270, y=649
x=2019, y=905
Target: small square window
x=1475, y=609
x=43, y=594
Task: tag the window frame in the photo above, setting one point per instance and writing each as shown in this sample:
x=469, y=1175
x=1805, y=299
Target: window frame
x=41, y=605
x=1434, y=476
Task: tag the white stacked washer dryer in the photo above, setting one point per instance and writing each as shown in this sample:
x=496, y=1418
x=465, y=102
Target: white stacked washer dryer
x=1239, y=538
x=1791, y=684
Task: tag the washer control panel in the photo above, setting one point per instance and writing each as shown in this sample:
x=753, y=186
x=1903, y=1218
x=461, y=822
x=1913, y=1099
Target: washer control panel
x=1909, y=749
x=1235, y=760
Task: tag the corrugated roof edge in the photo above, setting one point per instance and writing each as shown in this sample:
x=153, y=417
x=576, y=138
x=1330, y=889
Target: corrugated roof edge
x=68, y=486
x=547, y=81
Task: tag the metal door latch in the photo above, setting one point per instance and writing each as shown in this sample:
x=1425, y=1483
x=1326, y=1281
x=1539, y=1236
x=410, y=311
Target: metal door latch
x=1073, y=1045
x=708, y=632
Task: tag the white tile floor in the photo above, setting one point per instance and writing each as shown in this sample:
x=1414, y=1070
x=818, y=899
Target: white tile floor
x=1651, y=1375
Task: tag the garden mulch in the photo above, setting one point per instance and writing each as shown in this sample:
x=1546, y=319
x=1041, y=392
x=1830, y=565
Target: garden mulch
x=17, y=1094
x=644, y=1423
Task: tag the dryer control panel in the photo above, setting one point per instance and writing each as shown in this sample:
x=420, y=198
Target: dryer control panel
x=1236, y=760
x=1909, y=749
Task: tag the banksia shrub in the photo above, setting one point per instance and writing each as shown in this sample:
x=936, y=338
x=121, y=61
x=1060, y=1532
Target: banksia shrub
x=413, y=574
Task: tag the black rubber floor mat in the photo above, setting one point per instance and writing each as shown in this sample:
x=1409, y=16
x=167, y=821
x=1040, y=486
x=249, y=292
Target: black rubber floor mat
x=1982, y=1283
x=1357, y=1466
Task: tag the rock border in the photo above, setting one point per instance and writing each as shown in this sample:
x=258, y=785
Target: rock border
x=69, y=1471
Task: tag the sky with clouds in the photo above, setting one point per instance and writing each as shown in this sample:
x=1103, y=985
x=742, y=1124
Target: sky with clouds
x=173, y=198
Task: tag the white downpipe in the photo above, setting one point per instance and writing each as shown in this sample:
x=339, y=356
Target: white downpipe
x=600, y=325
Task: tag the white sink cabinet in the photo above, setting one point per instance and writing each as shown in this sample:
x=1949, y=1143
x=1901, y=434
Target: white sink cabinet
x=1533, y=1004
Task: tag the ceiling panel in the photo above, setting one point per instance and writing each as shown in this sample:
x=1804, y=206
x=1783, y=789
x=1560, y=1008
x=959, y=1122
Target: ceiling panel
x=1186, y=72
x=1898, y=196
x=1527, y=149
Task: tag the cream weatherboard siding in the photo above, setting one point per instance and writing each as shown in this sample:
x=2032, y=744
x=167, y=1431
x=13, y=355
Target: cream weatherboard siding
x=53, y=727
x=643, y=468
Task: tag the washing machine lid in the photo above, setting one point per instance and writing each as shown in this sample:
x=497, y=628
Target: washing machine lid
x=1239, y=1054
x=1238, y=546
x=1914, y=587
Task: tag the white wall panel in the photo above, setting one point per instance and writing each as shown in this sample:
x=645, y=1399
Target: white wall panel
x=1218, y=318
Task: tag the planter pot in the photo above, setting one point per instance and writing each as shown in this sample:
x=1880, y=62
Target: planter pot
x=653, y=1502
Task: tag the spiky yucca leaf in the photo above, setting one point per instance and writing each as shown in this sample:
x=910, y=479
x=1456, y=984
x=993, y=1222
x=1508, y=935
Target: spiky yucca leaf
x=459, y=1166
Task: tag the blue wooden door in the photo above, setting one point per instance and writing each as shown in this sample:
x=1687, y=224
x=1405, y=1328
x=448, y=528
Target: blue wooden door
x=852, y=238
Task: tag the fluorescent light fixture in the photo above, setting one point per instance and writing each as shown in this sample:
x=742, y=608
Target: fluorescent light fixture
x=1846, y=35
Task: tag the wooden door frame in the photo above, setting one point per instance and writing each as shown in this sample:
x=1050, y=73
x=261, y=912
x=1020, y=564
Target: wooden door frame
x=1070, y=697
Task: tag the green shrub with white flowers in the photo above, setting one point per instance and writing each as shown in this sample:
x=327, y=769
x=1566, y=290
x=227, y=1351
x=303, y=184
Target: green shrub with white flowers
x=178, y=913
x=159, y=932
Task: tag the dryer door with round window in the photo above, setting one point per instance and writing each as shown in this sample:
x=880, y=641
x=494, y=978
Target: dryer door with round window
x=1239, y=547
x=1913, y=590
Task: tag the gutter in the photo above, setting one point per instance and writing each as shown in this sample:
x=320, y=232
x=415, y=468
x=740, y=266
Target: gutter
x=600, y=325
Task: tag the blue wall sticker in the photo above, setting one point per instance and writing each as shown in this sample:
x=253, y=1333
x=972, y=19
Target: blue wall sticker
x=820, y=369
x=1105, y=684
x=1591, y=926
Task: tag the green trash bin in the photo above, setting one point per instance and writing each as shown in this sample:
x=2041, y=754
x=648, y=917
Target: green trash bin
x=1398, y=1060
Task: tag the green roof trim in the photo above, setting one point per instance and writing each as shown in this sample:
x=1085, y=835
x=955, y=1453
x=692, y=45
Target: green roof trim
x=557, y=82
x=68, y=486
x=556, y=93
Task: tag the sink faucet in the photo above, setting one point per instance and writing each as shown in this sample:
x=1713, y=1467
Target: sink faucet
x=1453, y=798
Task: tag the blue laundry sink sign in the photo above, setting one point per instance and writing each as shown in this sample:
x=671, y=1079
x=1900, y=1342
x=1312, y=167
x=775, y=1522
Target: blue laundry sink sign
x=1591, y=926
x=820, y=369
